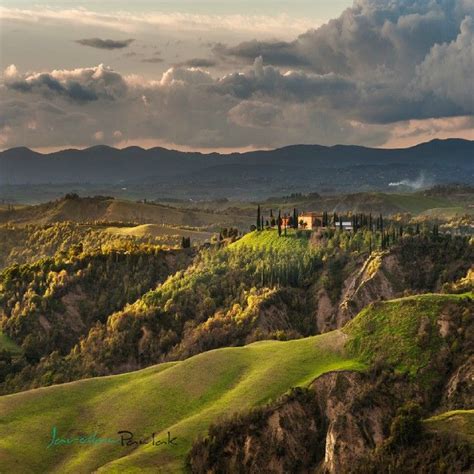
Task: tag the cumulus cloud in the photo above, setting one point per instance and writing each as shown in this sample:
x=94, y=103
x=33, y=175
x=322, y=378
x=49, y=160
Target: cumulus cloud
x=447, y=71
x=105, y=43
x=78, y=85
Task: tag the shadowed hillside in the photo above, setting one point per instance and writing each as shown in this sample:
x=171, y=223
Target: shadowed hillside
x=258, y=174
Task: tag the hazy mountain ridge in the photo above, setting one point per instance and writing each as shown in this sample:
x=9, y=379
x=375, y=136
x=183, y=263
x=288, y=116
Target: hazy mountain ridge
x=307, y=166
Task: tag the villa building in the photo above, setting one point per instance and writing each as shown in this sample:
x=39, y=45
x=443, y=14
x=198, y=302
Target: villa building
x=311, y=220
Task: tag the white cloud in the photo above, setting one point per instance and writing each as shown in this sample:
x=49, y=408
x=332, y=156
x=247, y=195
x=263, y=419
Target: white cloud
x=10, y=72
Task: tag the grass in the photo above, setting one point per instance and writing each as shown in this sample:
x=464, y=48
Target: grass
x=393, y=331
x=155, y=230
x=269, y=239
x=416, y=203
x=457, y=421
x=7, y=344
x=183, y=398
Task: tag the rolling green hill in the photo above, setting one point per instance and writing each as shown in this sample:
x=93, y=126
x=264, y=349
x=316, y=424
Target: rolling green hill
x=155, y=230
x=104, y=209
x=184, y=398
x=269, y=240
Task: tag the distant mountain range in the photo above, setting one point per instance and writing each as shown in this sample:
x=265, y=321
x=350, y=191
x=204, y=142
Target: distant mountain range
x=299, y=168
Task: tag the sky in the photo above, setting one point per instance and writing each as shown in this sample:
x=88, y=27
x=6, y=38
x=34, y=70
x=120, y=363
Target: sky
x=235, y=75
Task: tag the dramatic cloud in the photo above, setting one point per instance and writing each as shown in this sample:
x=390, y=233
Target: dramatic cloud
x=78, y=85
x=105, y=43
x=384, y=72
x=448, y=70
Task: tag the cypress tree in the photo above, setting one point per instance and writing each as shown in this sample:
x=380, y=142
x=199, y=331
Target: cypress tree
x=279, y=223
x=259, y=220
x=295, y=218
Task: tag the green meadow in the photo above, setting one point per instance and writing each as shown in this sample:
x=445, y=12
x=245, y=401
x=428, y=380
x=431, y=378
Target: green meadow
x=269, y=240
x=182, y=398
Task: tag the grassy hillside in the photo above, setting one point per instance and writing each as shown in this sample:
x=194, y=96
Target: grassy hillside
x=183, y=398
x=404, y=332
x=457, y=421
x=269, y=240
x=155, y=230
x=105, y=209
x=416, y=203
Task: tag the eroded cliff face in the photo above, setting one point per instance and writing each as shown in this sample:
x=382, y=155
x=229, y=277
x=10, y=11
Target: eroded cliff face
x=343, y=416
x=337, y=424
x=384, y=276
x=334, y=427
x=377, y=278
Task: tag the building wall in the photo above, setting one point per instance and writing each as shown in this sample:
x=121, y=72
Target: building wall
x=310, y=222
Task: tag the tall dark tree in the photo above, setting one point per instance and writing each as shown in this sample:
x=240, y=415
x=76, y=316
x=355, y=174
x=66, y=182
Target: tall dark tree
x=279, y=223
x=295, y=218
x=259, y=218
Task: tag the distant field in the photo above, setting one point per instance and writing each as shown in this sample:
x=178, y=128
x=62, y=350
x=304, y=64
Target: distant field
x=155, y=230
x=7, y=344
x=269, y=239
x=87, y=210
x=416, y=203
x=182, y=398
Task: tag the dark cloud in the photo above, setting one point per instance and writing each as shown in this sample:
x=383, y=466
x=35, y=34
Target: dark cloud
x=80, y=85
x=105, y=43
x=47, y=84
x=198, y=62
x=384, y=34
